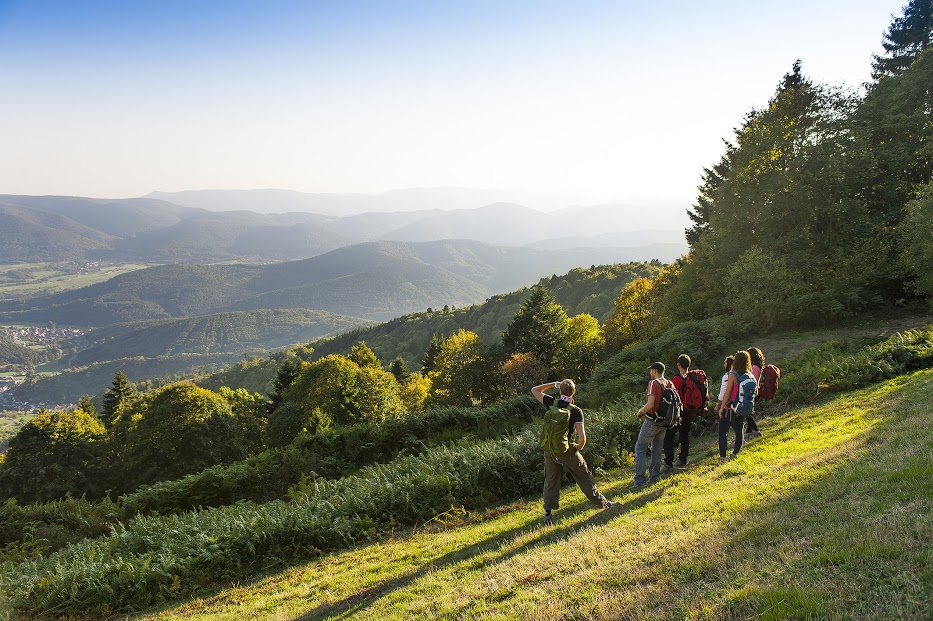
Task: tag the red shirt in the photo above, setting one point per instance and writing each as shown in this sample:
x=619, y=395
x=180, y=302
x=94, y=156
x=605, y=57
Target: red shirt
x=655, y=388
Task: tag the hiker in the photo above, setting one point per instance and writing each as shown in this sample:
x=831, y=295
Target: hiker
x=651, y=435
x=730, y=399
x=562, y=450
x=693, y=389
x=758, y=363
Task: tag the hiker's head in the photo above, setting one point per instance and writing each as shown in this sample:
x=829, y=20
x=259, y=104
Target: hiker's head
x=567, y=388
x=683, y=362
x=758, y=358
x=727, y=363
x=656, y=370
x=742, y=362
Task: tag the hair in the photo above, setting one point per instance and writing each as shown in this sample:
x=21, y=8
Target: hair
x=742, y=362
x=684, y=361
x=727, y=363
x=657, y=366
x=567, y=388
x=758, y=358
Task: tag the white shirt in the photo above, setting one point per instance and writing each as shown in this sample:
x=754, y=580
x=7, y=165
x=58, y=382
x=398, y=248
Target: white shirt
x=722, y=387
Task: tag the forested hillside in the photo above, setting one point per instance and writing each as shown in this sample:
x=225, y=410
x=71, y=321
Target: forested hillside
x=378, y=280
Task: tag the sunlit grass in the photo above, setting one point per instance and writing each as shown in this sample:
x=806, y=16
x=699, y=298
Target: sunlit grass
x=826, y=516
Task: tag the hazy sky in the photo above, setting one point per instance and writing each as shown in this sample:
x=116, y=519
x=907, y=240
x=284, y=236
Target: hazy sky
x=607, y=100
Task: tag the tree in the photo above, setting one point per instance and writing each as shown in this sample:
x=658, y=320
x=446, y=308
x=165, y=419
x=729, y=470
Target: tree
x=414, y=391
x=86, y=404
x=288, y=372
x=117, y=399
x=334, y=391
x=583, y=349
x=917, y=243
x=632, y=314
x=430, y=354
x=184, y=429
x=399, y=369
x=56, y=453
x=520, y=372
x=539, y=327
x=457, y=369
x=364, y=357
x=907, y=37
x=250, y=411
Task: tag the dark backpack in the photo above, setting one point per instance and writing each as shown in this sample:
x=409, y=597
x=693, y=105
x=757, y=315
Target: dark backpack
x=555, y=431
x=748, y=388
x=770, y=378
x=696, y=391
x=668, y=412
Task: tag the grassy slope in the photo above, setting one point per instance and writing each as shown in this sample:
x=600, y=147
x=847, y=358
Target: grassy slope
x=826, y=516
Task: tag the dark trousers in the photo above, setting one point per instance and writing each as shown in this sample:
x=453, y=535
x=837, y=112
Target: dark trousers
x=683, y=430
x=573, y=461
x=751, y=425
x=727, y=420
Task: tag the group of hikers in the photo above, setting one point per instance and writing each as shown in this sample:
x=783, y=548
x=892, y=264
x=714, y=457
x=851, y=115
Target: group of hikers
x=671, y=410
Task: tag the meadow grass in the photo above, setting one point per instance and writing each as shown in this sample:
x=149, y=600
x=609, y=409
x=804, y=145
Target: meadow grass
x=827, y=516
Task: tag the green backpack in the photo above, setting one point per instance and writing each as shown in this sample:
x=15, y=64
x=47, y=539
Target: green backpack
x=555, y=431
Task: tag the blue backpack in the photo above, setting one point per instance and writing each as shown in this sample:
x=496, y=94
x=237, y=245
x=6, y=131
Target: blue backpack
x=748, y=388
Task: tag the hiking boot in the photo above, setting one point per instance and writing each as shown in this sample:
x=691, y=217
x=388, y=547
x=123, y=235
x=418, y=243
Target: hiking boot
x=609, y=504
x=547, y=520
x=634, y=487
x=681, y=464
x=665, y=468
x=751, y=435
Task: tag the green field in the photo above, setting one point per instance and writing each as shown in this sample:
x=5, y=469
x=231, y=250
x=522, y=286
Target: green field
x=11, y=422
x=828, y=516
x=30, y=279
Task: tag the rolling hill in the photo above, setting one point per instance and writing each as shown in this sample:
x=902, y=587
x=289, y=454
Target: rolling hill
x=221, y=333
x=377, y=280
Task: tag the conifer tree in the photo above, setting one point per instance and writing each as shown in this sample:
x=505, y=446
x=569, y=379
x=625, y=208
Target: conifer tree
x=399, y=369
x=430, y=355
x=117, y=399
x=905, y=40
x=539, y=327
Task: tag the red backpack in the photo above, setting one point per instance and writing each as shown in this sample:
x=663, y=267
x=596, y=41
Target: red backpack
x=768, y=384
x=696, y=391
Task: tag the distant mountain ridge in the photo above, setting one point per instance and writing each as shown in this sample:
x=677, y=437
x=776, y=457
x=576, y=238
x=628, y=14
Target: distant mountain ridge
x=149, y=230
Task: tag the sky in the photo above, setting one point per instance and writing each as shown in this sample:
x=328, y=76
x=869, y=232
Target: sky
x=602, y=101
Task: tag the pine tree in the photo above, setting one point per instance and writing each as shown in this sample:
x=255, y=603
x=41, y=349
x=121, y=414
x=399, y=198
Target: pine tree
x=399, y=369
x=905, y=40
x=117, y=399
x=539, y=327
x=288, y=372
x=85, y=404
x=430, y=355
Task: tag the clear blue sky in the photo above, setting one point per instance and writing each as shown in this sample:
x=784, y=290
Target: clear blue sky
x=607, y=100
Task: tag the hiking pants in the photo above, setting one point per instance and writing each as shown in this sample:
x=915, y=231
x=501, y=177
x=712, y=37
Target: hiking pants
x=573, y=461
x=683, y=430
x=650, y=435
x=729, y=419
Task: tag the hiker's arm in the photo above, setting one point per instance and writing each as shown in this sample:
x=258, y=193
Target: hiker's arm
x=538, y=391
x=722, y=402
x=648, y=405
x=581, y=436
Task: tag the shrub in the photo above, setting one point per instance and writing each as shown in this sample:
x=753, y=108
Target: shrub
x=55, y=453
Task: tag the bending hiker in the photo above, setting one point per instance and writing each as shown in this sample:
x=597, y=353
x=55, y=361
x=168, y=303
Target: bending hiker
x=651, y=434
x=693, y=389
x=758, y=363
x=736, y=399
x=562, y=420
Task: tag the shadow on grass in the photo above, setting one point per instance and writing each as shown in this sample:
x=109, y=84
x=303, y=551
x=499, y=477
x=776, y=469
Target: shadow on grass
x=352, y=605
